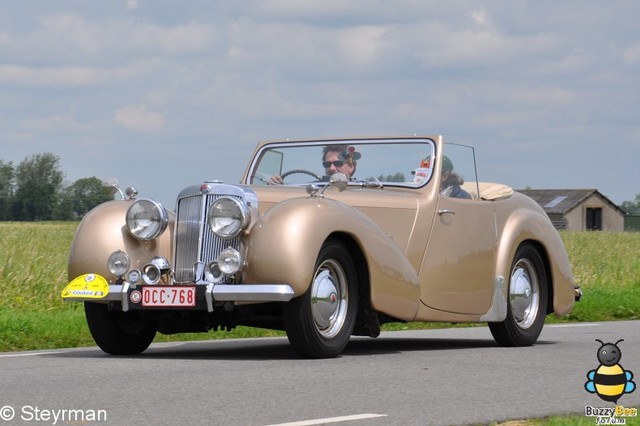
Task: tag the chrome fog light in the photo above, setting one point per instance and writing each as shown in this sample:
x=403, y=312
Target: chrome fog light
x=212, y=273
x=118, y=263
x=230, y=260
x=228, y=217
x=146, y=219
x=151, y=274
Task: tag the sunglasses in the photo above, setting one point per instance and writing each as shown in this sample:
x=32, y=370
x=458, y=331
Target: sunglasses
x=337, y=163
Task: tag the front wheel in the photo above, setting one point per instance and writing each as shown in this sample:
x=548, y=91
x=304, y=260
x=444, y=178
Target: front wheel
x=119, y=333
x=527, y=300
x=319, y=323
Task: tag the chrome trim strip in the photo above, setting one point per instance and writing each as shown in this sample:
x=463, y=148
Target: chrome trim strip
x=252, y=293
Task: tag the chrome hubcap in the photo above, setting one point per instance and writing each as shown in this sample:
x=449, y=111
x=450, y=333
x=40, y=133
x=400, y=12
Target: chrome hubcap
x=524, y=294
x=329, y=298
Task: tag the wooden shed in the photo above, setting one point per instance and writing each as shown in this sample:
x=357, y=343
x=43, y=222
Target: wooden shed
x=579, y=209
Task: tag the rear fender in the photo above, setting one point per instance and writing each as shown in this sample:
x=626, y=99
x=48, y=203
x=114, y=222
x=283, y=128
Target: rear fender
x=531, y=225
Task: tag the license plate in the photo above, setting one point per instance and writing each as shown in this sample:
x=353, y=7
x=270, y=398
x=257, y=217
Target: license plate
x=174, y=296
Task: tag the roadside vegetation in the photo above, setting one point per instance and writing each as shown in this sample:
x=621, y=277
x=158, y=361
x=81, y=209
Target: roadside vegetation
x=33, y=271
x=568, y=420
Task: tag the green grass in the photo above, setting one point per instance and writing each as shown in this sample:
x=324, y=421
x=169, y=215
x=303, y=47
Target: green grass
x=607, y=267
x=33, y=271
x=563, y=420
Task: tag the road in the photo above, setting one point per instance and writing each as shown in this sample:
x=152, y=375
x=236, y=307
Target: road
x=428, y=377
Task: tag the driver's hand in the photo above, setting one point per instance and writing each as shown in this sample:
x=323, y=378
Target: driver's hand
x=275, y=180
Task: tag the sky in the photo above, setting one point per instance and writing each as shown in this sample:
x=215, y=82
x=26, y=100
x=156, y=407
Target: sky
x=165, y=94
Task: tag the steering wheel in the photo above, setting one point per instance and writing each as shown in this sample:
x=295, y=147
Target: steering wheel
x=300, y=171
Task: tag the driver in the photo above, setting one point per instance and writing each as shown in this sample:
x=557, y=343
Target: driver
x=335, y=159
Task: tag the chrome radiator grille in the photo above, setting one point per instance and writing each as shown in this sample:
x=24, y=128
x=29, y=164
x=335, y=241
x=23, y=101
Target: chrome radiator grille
x=194, y=240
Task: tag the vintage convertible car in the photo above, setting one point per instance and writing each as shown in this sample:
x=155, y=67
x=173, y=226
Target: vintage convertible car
x=323, y=239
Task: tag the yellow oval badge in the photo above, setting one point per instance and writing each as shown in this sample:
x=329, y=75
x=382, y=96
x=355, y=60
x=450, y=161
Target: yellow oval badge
x=87, y=286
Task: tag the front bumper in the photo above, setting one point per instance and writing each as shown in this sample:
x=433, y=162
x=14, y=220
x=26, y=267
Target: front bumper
x=207, y=295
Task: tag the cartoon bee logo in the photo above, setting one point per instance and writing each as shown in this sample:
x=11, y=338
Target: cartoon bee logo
x=610, y=381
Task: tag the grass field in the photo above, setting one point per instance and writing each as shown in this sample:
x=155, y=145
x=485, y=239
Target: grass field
x=33, y=259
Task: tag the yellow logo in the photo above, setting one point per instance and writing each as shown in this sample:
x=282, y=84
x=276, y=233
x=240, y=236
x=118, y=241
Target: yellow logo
x=87, y=286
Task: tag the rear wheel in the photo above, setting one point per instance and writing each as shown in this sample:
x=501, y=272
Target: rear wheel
x=119, y=333
x=527, y=302
x=319, y=323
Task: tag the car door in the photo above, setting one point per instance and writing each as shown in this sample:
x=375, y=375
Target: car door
x=458, y=269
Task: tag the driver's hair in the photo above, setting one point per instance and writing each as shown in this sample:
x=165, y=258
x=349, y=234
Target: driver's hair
x=332, y=148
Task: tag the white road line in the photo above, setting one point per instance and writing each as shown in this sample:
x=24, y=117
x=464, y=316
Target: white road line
x=573, y=325
x=331, y=420
x=31, y=354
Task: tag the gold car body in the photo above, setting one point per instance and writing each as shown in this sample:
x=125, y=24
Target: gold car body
x=424, y=256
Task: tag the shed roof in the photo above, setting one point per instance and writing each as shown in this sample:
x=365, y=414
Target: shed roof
x=562, y=201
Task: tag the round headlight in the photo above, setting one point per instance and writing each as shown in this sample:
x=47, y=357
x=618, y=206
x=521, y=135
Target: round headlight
x=228, y=217
x=146, y=219
x=118, y=263
x=229, y=261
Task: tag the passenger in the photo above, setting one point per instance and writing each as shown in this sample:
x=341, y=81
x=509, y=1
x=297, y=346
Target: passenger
x=450, y=182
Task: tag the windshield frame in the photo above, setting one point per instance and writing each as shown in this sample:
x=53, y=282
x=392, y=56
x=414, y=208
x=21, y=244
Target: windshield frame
x=251, y=173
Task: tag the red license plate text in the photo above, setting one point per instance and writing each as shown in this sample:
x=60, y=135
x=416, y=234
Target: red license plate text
x=174, y=296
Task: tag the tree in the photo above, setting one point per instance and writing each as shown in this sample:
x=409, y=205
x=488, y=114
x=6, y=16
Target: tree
x=81, y=197
x=6, y=189
x=38, y=182
x=632, y=207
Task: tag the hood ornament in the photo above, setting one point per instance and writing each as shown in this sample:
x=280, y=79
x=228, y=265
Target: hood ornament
x=337, y=181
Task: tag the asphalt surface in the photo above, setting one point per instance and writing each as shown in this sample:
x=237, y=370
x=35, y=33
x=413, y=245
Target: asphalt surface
x=430, y=377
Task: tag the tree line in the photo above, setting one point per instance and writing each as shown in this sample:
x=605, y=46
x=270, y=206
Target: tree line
x=632, y=207
x=35, y=190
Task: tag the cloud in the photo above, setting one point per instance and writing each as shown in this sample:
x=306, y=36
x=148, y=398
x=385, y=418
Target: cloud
x=136, y=117
x=74, y=39
x=631, y=55
x=361, y=46
x=211, y=74
x=60, y=123
x=70, y=76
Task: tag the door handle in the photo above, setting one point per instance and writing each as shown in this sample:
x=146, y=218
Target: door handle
x=446, y=211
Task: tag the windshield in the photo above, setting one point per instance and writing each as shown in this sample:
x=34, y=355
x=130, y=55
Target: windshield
x=389, y=162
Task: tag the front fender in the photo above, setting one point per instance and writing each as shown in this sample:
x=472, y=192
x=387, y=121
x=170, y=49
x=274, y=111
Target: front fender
x=284, y=243
x=102, y=231
x=530, y=223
